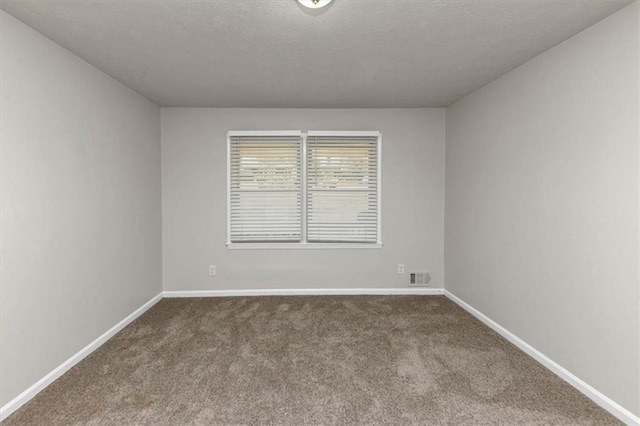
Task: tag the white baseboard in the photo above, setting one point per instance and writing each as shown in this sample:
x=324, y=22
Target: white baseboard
x=33, y=390
x=307, y=292
x=598, y=397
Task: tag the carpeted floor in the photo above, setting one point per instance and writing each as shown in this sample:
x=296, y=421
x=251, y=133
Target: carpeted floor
x=306, y=361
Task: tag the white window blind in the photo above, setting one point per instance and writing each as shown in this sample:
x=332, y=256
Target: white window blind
x=342, y=187
x=265, y=184
x=291, y=189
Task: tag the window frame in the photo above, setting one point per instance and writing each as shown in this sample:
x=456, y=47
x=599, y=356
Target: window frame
x=304, y=244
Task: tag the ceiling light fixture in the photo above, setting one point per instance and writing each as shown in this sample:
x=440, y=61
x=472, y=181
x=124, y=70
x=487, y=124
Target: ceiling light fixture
x=314, y=4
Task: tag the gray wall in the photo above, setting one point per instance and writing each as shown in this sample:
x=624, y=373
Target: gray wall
x=542, y=204
x=194, y=185
x=81, y=224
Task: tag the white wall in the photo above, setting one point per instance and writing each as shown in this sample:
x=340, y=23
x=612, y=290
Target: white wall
x=194, y=182
x=542, y=204
x=81, y=223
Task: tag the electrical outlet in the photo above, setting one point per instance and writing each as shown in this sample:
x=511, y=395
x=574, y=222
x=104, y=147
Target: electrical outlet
x=212, y=269
x=401, y=268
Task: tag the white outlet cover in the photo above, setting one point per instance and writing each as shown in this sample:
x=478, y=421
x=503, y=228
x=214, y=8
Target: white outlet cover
x=212, y=269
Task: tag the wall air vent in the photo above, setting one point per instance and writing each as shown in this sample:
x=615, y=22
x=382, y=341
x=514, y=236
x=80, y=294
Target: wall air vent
x=419, y=279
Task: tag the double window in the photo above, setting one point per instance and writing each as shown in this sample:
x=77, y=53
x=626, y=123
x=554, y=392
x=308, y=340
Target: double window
x=293, y=189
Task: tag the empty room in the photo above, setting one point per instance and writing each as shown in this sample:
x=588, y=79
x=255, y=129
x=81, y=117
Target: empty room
x=319, y=212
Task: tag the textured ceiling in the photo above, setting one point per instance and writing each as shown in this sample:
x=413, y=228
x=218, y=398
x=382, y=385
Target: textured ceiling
x=275, y=53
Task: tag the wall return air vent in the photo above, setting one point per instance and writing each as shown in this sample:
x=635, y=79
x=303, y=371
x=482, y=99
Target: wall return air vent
x=419, y=279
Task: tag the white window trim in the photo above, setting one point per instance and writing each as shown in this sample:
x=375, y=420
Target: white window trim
x=304, y=244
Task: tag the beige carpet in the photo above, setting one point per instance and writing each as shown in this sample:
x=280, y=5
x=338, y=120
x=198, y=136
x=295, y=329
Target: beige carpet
x=308, y=360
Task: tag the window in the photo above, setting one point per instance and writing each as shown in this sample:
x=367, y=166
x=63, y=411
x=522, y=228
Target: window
x=291, y=189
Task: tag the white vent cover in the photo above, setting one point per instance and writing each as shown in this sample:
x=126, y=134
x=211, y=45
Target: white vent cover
x=419, y=278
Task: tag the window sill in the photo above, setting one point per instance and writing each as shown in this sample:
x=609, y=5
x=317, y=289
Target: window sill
x=301, y=246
